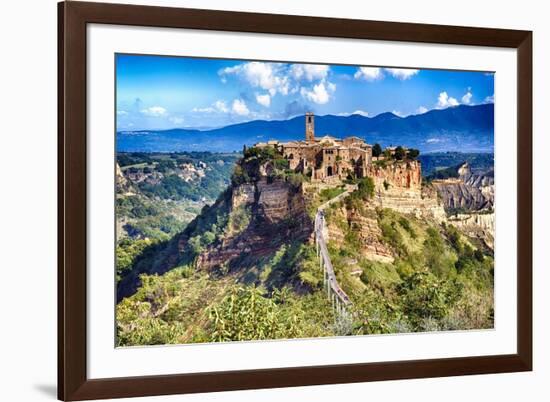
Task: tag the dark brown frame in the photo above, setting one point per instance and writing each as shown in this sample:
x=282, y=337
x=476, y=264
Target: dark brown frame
x=73, y=383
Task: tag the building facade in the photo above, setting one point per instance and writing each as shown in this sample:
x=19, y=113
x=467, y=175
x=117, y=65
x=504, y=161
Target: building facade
x=326, y=158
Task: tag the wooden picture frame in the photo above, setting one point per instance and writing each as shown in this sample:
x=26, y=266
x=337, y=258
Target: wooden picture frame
x=73, y=17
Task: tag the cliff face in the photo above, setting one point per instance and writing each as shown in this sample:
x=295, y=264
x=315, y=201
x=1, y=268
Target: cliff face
x=273, y=213
x=398, y=186
x=468, y=192
x=122, y=184
x=365, y=225
x=480, y=225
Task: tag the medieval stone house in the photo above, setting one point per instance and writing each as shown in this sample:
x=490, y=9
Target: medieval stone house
x=326, y=158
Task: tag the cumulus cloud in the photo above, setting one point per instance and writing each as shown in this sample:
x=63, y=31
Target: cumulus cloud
x=489, y=99
x=402, y=73
x=368, y=73
x=154, y=111
x=309, y=72
x=121, y=112
x=264, y=100
x=467, y=98
x=421, y=110
x=239, y=107
x=444, y=101
x=268, y=76
x=220, y=106
x=319, y=93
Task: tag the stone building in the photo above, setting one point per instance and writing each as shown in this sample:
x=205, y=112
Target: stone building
x=326, y=158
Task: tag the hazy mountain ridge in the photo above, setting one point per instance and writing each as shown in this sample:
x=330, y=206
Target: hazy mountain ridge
x=464, y=128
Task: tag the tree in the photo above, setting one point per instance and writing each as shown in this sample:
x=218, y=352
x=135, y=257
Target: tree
x=365, y=188
x=376, y=150
x=413, y=153
x=400, y=153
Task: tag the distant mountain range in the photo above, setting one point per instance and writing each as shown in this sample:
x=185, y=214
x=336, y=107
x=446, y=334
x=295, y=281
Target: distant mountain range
x=460, y=128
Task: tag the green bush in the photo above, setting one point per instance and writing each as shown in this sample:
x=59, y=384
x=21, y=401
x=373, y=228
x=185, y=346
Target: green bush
x=246, y=314
x=424, y=296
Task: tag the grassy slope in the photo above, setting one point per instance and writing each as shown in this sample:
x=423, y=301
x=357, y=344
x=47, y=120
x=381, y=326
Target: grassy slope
x=438, y=281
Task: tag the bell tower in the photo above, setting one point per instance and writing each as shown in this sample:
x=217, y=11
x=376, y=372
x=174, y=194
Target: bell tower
x=310, y=128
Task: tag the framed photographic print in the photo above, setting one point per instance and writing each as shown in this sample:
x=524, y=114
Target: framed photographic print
x=253, y=200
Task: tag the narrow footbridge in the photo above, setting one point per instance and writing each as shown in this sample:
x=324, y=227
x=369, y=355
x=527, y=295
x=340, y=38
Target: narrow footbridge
x=335, y=293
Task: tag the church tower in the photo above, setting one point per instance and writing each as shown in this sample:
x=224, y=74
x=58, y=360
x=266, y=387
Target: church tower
x=310, y=129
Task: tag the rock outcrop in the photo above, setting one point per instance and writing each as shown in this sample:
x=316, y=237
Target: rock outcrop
x=480, y=225
x=277, y=214
x=368, y=232
x=468, y=192
x=399, y=186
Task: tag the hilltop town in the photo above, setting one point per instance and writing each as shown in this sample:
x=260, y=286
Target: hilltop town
x=327, y=158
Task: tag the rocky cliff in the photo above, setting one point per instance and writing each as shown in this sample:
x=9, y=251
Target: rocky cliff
x=262, y=216
x=365, y=225
x=480, y=225
x=467, y=192
x=398, y=186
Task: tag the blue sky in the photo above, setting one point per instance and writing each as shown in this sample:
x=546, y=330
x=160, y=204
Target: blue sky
x=162, y=92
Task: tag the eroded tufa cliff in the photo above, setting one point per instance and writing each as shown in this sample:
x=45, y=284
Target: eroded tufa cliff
x=467, y=192
x=262, y=216
x=398, y=186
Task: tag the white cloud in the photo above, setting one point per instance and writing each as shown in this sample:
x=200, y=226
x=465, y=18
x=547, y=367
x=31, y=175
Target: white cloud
x=220, y=106
x=217, y=107
x=467, y=98
x=433, y=140
x=398, y=113
x=208, y=109
x=359, y=112
x=421, y=110
x=176, y=119
x=268, y=76
x=240, y=108
x=121, y=112
x=309, y=72
x=155, y=111
x=402, y=73
x=489, y=99
x=368, y=73
x=319, y=93
x=444, y=101
x=264, y=100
